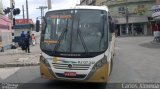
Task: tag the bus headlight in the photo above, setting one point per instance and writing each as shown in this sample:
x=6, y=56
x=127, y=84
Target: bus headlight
x=104, y=60
x=100, y=63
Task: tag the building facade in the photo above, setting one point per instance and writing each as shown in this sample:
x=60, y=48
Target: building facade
x=87, y=2
x=158, y=2
x=131, y=16
x=5, y=30
x=1, y=7
x=22, y=25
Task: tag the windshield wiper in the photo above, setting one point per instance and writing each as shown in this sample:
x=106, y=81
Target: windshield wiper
x=61, y=37
x=82, y=39
x=64, y=32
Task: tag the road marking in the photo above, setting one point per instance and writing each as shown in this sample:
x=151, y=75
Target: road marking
x=6, y=72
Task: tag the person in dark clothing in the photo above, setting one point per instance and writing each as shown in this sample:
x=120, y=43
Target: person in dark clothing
x=27, y=41
x=22, y=44
x=22, y=36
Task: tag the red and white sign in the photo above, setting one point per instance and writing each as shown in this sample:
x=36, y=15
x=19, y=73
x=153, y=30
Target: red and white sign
x=24, y=21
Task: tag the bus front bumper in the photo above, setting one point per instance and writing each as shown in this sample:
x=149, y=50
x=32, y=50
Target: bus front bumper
x=99, y=76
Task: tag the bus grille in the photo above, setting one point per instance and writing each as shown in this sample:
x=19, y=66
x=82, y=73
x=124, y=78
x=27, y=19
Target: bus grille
x=74, y=66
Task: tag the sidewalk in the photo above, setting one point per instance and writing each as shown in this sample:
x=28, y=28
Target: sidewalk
x=18, y=58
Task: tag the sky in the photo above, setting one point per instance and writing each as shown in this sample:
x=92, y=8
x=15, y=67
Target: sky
x=34, y=4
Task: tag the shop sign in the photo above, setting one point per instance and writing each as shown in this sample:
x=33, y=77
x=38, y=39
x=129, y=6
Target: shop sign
x=156, y=11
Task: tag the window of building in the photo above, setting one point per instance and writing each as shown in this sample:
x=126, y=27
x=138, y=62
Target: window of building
x=121, y=9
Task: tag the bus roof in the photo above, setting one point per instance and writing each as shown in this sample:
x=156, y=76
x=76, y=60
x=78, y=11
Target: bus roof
x=82, y=7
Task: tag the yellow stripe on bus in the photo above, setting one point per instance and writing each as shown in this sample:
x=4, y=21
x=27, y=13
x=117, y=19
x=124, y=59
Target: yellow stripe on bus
x=45, y=72
x=50, y=41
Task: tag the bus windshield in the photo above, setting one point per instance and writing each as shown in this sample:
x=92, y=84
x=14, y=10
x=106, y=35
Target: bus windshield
x=75, y=31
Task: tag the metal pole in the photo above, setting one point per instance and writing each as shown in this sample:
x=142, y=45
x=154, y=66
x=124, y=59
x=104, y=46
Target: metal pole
x=41, y=15
x=126, y=13
x=27, y=10
x=42, y=10
x=11, y=17
x=23, y=11
x=11, y=6
x=49, y=4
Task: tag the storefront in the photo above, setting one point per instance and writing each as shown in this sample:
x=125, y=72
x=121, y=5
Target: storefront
x=136, y=17
x=137, y=26
x=134, y=29
x=156, y=23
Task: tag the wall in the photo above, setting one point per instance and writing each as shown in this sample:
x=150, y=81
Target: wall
x=158, y=2
x=138, y=13
x=83, y=2
x=99, y=2
x=1, y=7
x=137, y=9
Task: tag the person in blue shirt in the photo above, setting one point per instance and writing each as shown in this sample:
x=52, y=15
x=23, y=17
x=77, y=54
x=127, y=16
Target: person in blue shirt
x=22, y=39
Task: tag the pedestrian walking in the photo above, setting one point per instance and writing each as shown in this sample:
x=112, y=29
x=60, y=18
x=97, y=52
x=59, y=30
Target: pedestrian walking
x=27, y=42
x=33, y=40
x=154, y=29
x=22, y=44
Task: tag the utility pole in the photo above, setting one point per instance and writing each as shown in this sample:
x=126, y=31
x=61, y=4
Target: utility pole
x=49, y=4
x=42, y=10
x=12, y=4
x=27, y=10
x=23, y=11
x=126, y=14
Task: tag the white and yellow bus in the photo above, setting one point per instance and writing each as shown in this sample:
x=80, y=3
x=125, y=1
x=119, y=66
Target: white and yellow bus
x=77, y=44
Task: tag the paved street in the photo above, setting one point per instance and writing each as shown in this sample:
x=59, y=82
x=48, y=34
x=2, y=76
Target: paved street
x=136, y=60
x=30, y=76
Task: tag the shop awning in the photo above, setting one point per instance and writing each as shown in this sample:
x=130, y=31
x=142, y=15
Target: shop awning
x=23, y=26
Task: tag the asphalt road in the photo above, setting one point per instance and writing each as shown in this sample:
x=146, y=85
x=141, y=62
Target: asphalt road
x=29, y=78
x=136, y=60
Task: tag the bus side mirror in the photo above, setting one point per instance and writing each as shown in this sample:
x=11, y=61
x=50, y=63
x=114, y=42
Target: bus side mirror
x=37, y=25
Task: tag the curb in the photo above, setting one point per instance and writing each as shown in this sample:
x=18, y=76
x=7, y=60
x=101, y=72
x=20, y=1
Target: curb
x=18, y=65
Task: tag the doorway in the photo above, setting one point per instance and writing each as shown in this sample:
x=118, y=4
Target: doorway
x=138, y=29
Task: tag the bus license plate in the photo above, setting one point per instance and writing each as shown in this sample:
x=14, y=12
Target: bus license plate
x=70, y=74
